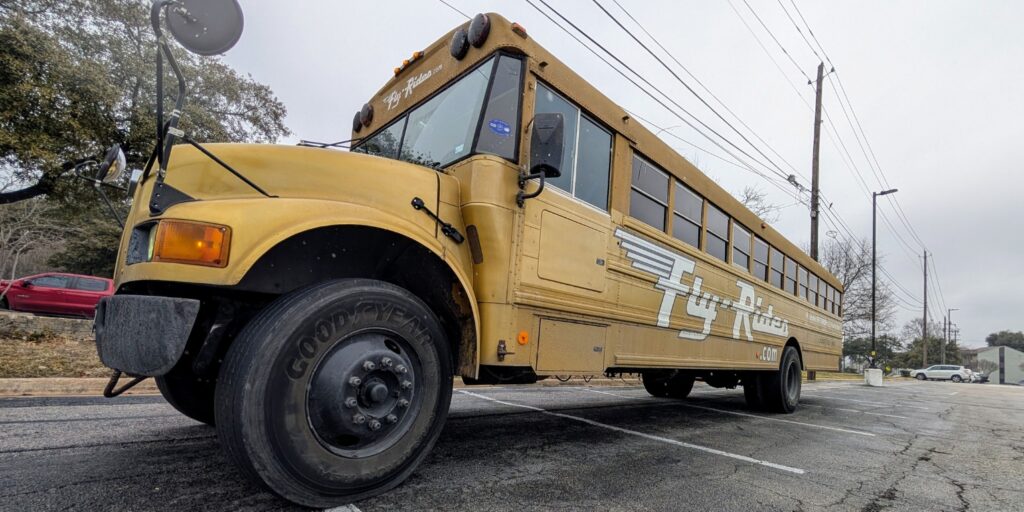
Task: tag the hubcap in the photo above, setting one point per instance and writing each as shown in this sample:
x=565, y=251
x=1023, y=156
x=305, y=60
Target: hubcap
x=364, y=394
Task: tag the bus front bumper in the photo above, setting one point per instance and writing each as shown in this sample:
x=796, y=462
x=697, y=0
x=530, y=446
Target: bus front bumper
x=143, y=335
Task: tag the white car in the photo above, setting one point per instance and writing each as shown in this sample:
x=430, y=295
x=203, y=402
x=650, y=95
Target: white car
x=943, y=372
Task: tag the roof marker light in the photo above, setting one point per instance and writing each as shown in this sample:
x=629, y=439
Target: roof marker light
x=479, y=29
x=519, y=30
x=459, y=45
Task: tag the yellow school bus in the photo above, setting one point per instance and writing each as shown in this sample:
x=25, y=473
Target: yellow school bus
x=497, y=219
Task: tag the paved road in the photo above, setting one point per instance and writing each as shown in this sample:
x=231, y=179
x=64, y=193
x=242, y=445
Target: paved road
x=910, y=446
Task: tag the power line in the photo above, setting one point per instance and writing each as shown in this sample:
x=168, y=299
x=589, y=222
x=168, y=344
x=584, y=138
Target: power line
x=783, y=48
x=688, y=87
x=456, y=9
x=649, y=84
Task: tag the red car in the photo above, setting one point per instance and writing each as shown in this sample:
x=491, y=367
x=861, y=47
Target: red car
x=56, y=294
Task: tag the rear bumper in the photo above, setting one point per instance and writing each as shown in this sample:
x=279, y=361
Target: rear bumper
x=143, y=335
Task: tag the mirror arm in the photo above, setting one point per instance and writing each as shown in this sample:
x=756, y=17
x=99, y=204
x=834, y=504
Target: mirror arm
x=522, y=196
x=165, y=132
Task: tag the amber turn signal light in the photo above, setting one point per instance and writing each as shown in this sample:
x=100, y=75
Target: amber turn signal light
x=523, y=338
x=192, y=243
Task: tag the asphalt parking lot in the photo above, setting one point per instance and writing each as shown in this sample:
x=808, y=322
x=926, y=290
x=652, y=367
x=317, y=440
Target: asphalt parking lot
x=909, y=446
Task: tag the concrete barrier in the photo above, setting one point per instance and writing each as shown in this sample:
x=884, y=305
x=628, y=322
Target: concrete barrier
x=26, y=326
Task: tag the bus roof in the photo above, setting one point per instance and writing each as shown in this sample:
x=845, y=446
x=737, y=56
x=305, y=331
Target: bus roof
x=425, y=72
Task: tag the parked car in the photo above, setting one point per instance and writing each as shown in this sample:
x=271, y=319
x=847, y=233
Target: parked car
x=56, y=294
x=943, y=372
x=978, y=376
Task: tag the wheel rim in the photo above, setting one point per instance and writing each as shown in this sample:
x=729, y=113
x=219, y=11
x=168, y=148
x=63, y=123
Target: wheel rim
x=365, y=394
x=793, y=382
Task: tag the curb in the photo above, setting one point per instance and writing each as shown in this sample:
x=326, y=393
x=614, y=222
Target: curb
x=93, y=386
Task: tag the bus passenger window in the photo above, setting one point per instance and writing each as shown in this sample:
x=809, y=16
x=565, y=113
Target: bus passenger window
x=499, y=129
x=776, y=268
x=822, y=292
x=802, y=282
x=717, y=243
x=594, y=163
x=790, y=276
x=761, y=259
x=740, y=247
x=648, y=199
x=689, y=209
x=812, y=290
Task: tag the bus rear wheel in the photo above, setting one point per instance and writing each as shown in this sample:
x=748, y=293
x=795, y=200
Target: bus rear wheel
x=780, y=389
x=335, y=392
x=668, y=383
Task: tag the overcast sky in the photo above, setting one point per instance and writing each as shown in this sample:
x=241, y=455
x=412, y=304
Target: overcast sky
x=935, y=85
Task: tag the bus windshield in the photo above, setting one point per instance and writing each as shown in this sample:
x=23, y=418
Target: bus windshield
x=448, y=126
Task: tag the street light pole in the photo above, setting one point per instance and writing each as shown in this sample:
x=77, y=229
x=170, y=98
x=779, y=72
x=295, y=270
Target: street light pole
x=874, y=263
x=949, y=332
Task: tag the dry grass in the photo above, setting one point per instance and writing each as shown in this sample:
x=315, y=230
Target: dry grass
x=49, y=357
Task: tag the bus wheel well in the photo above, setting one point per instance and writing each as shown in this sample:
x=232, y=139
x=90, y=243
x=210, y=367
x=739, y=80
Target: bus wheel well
x=799, y=352
x=338, y=252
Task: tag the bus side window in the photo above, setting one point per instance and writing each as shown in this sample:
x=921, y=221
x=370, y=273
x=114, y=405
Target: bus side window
x=822, y=293
x=740, y=247
x=717, y=242
x=790, y=276
x=802, y=282
x=593, y=164
x=648, y=198
x=548, y=102
x=760, y=259
x=688, y=210
x=499, y=129
x=776, y=268
x=812, y=290
x=586, y=154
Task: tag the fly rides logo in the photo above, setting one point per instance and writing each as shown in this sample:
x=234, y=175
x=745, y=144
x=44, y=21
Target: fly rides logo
x=672, y=270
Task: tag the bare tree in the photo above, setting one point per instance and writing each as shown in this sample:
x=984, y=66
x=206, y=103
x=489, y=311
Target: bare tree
x=756, y=200
x=26, y=227
x=850, y=262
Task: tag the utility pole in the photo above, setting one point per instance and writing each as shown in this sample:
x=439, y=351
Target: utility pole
x=814, y=164
x=924, y=325
x=945, y=339
x=874, y=264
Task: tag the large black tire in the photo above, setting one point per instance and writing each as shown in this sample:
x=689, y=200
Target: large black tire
x=335, y=392
x=780, y=390
x=190, y=395
x=956, y=378
x=668, y=383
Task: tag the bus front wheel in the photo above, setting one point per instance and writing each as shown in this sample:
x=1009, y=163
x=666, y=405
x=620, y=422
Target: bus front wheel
x=335, y=392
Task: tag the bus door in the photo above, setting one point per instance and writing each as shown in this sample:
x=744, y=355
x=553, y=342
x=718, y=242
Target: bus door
x=565, y=236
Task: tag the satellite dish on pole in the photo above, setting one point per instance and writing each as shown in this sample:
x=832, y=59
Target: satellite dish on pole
x=205, y=27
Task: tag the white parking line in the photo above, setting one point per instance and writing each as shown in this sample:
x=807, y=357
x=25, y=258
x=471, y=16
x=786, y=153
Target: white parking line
x=882, y=404
x=748, y=415
x=344, y=508
x=854, y=410
x=651, y=437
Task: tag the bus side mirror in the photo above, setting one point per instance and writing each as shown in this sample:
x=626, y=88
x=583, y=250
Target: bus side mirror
x=546, y=146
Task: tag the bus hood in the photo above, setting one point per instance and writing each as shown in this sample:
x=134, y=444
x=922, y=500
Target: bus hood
x=290, y=171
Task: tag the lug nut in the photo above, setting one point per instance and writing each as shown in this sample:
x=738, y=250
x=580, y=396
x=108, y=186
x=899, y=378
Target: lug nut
x=401, y=369
x=386, y=362
x=369, y=366
x=406, y=384
x=351, y=403
x=355, y=381
x=391, y=418
x=403, y=403
x=374, y=425
x=358, y=419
